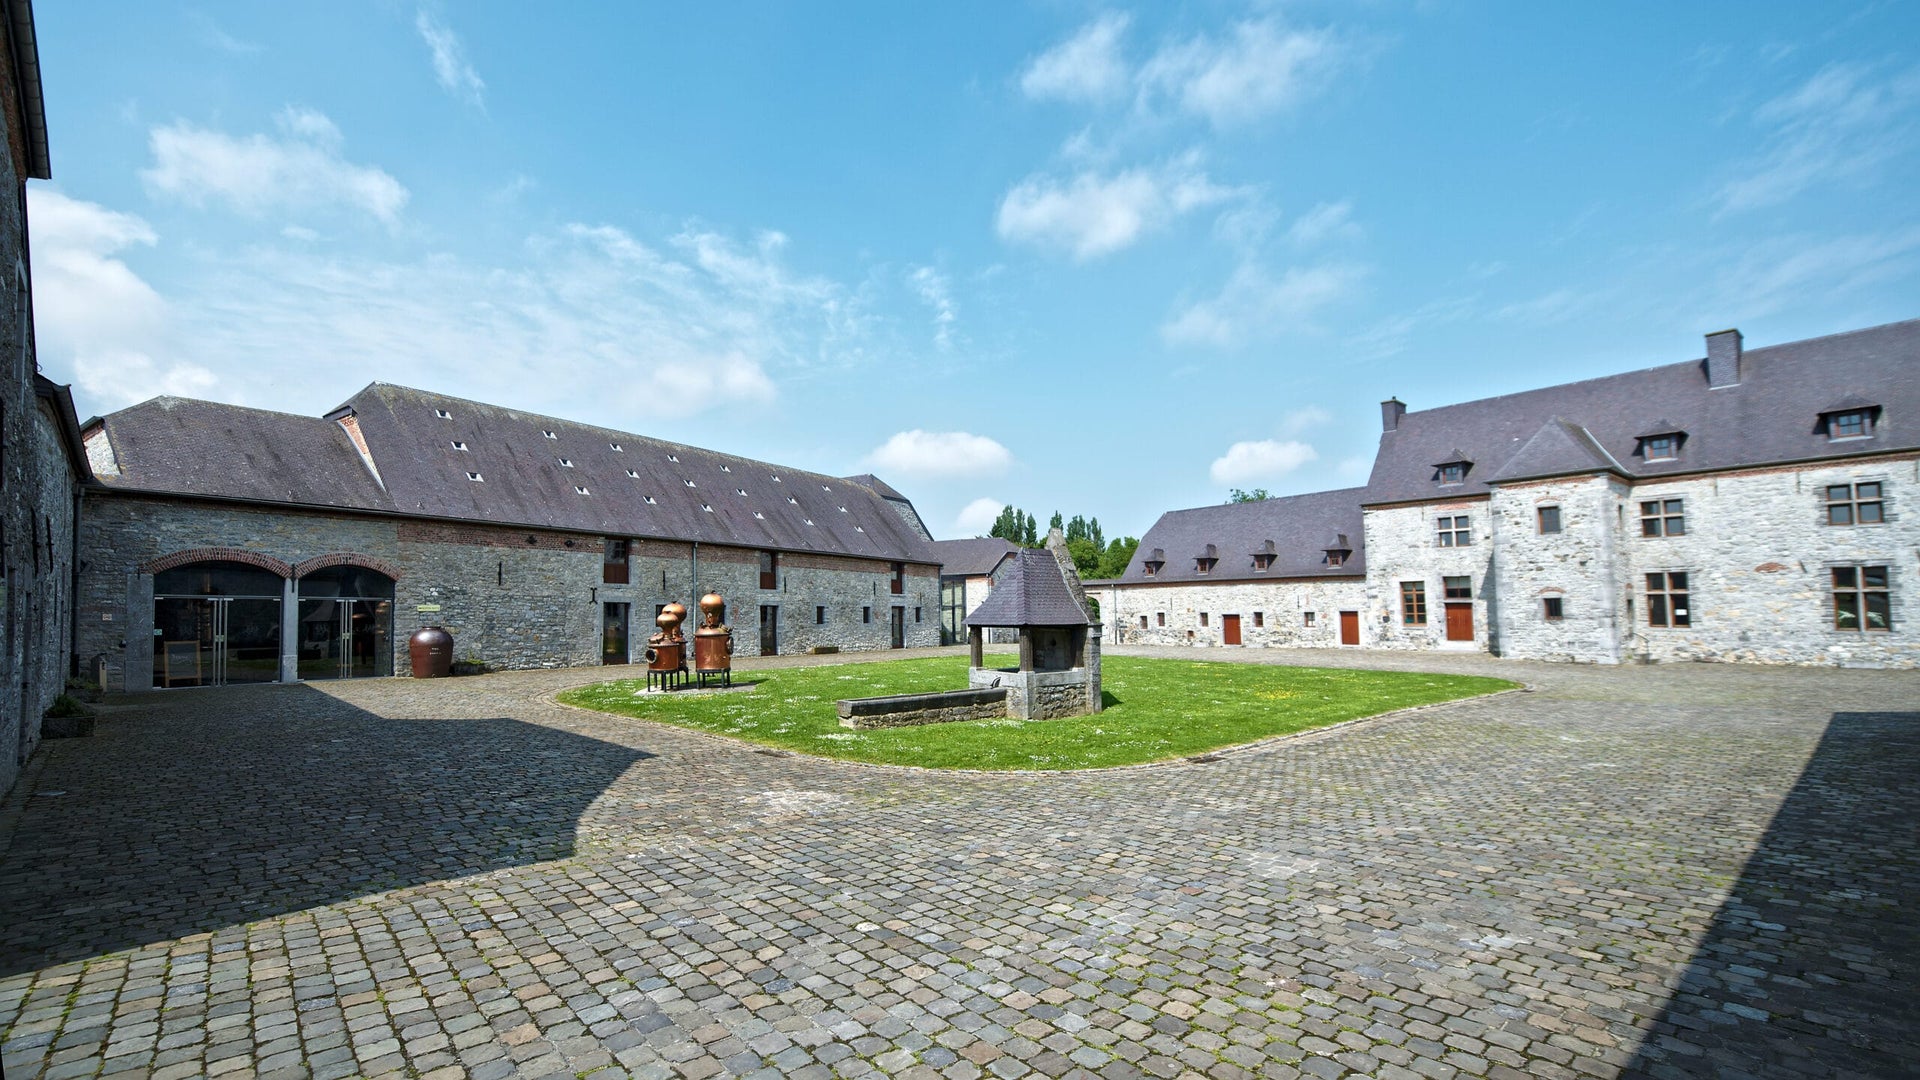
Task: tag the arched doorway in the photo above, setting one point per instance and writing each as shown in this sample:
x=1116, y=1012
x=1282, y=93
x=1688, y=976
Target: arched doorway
x=346, y=623
x=214, y=623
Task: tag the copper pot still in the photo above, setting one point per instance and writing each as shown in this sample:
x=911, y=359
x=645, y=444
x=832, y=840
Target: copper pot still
x=713, y=641
x=666, y=650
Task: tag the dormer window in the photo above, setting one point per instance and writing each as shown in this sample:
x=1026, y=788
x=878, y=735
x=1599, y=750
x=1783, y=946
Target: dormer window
x=1453, y=469
x=1153, y=562
x=1262, y=563
x=1204, y=562
x=443, y=414
x=1338, y=549
x=1335, y=558
x=1660, y=447
x=1852, y=417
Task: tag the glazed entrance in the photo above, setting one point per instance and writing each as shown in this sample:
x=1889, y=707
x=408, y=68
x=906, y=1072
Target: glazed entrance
x=216, y=623
x=346, y=624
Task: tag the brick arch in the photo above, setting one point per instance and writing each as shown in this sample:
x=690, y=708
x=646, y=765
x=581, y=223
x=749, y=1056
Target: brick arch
x=347, y=558
x=194, y=555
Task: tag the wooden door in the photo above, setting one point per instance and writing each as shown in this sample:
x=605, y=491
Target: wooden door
x=1459, y=622
x=1349, y=628
x=898, y=640
x=1229, y=629
x=769, y=630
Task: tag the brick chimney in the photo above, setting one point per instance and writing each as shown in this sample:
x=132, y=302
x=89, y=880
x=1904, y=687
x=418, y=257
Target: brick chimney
x=1391, y=410
x=1723, y=359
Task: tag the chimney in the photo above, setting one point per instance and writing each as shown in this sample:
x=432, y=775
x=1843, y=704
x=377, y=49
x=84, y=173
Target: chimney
x=1723, y=359
x=1391, y=410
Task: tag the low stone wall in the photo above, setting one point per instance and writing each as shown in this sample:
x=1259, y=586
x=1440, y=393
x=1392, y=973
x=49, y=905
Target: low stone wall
x=1040, y=695
x=912, y=710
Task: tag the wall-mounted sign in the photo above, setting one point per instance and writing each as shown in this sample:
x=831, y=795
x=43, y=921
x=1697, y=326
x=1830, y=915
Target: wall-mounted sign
x=428, y=607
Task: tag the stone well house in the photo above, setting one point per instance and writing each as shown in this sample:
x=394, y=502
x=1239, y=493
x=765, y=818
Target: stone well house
x=1753, y=506
x=227, y=544
x=42, y=467
x=966, y=577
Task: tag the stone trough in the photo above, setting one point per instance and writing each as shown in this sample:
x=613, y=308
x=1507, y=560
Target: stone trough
x=912, y=710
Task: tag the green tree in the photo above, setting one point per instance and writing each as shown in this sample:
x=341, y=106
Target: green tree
x=1256, y=495
x=1056, y=523
x=1086, y=557
x=1114, y=560
x=1029, y=531
x=1093, y=534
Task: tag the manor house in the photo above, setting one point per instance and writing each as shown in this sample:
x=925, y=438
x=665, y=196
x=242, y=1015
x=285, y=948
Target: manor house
x=1754, y=506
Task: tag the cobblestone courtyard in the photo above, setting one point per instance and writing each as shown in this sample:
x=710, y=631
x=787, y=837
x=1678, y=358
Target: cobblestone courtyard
x=1685, y=870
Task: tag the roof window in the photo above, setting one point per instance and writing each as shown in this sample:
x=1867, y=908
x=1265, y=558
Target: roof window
x=460, y=446
x=776, y=479
x=791, y=501
x=475, y=477
x=741, y=491
x=707, y=508
x=650, y=500
x=690, y=483
x=824, y=487
x=581, y=489
x=633, y=474
x=809, y=521
x=860, y=528
x=443, y=414
x=673, y=458
x=549, y=434
x=616, y=448
x=758, y=516
x=726, y=468
x=566, y=463
x=843, y=509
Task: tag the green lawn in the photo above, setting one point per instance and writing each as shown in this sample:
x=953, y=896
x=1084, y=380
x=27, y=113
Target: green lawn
x=1156, y=709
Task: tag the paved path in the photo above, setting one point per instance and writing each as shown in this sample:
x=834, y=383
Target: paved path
x=1685, y=870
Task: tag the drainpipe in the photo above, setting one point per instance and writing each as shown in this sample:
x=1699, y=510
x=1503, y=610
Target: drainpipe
x=693, y=571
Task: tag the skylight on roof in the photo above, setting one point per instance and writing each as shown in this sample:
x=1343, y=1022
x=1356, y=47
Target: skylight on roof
x=792, y=501
x=758, y=516
x=443, y=414
x=741, y=491
x=673, y=458
x=649, y=499
x=776, y=479
x=474, y=476
x=549, y=434
x=633, y=474
x=859, y=528
x=691, y=484
x=580, y=488
x=824, y=487
x=726, y=468
x=843, y=509
x=707, y=508
x=566, y=463
x=809, y=521
x=616, y=448
x=458, y=445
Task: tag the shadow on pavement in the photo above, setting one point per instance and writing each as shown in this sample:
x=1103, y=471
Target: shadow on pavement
x=1811, y=966
x=211, y=808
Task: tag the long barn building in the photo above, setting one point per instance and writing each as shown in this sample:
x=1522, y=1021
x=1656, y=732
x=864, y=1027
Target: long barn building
x=230, y=545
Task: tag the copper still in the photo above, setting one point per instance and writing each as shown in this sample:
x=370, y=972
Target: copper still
x=713, y=641
x=667, y=648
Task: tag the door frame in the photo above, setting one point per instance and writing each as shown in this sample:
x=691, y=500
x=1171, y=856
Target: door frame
x=769, y=629
x=1465, y=607
x=1230, y=630
x=897, y=630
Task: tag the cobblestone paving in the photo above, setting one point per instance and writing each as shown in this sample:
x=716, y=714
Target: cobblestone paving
x=1676, y=871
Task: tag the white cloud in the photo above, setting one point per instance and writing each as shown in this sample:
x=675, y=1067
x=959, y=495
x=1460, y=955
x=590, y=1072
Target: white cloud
x=450, y=65
x=1267, y=459
x=937, y=292
x=1839, y=126
x=978, y=516
x=1260, y=69
x=1301, y=419
x=1323, y=223
x=301, y=168
x=940, y=453
x=1093, y=215
x=1085, y=67
x=1254, y=305
x=585, y=321
x=93, y=311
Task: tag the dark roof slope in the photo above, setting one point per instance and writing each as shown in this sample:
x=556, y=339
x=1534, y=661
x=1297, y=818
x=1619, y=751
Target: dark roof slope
x=1770, y=415
x=697, y=494
x=1300, y=527
x=973, y=558
x=1031, y=590
x=189, y=447
x=1560, y=447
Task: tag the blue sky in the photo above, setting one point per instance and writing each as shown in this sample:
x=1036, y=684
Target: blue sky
x=1108, y=260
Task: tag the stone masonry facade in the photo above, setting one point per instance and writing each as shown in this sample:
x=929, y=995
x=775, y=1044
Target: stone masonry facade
x=1300, y=613
x=511, y=597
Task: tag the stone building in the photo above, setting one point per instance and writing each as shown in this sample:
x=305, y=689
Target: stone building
x=966, y=577
x=1750, y=506
x=41, y=465
x=1279, y=572
x=227, y=544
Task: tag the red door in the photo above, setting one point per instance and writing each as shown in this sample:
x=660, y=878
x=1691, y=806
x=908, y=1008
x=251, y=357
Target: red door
x=1349, y=628
x=1459, y=622
x=1229, y=629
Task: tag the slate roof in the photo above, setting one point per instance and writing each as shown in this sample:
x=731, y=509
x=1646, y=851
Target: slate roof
x=972, y=558
x=1030, y=590
x=1770, y=416
x=1300, y=527
x=163, y=445
x=189, y=447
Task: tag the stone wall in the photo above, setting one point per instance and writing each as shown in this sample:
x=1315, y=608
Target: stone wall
x=1580, y=566
x=511, y=597
x=1402, y=546
x=1037, y=695
x=1282, y=604
x=36, y=594
x=915, y=710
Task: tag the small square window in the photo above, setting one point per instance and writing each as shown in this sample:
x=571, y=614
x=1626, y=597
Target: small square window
x=866, y=614
x=1306, y=618
x=1335, y=558
x=1143, y=622
x=1459, y=588
x=1259, y=619
x=819, y=615
x=1455, y=531
x=1203, y=618
x=1262, y=563
x=1160, y=618
x=1855, y=504
x=1552, y=608
x=1549, y=519
x=1663, y=517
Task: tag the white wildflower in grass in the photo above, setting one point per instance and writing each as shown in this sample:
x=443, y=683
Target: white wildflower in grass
x=839, y=736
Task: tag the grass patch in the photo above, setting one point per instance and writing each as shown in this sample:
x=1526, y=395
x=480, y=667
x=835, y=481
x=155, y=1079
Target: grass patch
x=1156, y=709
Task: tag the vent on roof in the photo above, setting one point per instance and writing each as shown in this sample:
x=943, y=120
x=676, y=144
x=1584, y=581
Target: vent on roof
x=649, y=499
x=566, y=463
x=776, y=479
x=791, y=501
x=859, y=528
x=458, y=445
x=707, y=508
x=673, y=458
x=690, y=483
x=726, y=468
x=633, y=474
x=616, y=448
x=843, y=509
x=580, y=489
x=741, y=491
x=824, y=487
x=808, y=520
x=549, y=434
x=474, y=476
x=758, y=516
x=443, y=414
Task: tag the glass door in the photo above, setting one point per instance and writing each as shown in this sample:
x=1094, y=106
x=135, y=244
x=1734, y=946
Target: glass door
x=613, y=634
x=214, y=641
x=183, y=639
x=345, y=639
